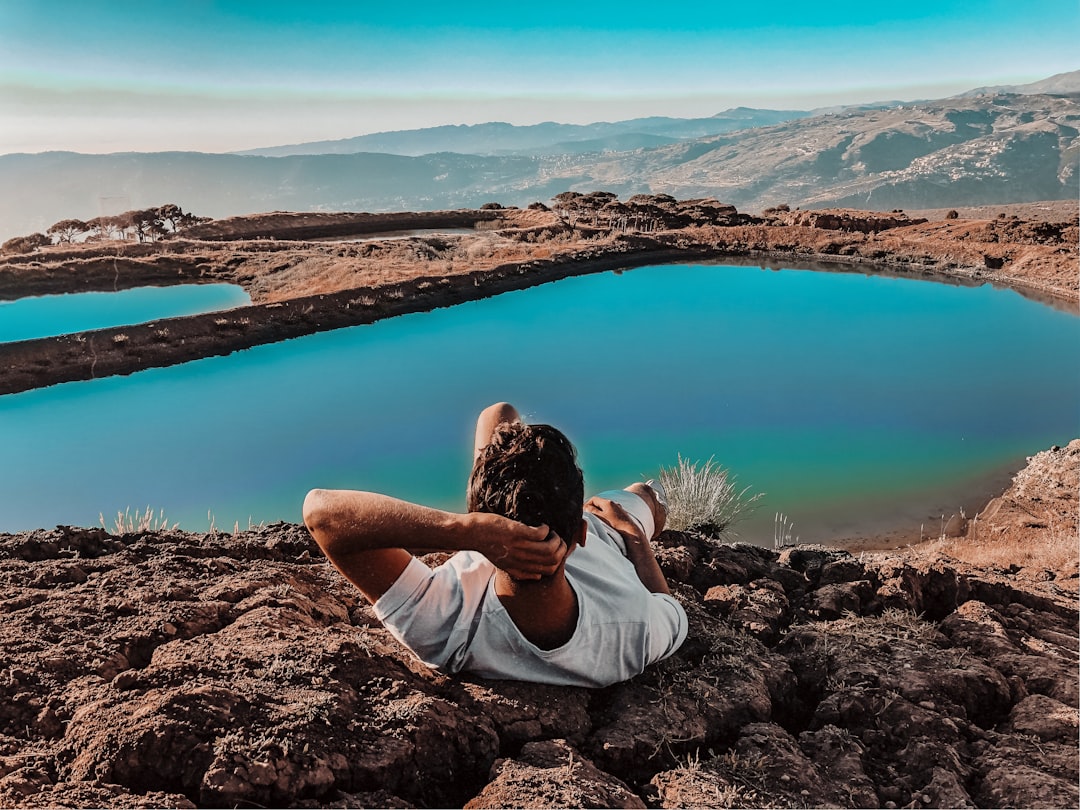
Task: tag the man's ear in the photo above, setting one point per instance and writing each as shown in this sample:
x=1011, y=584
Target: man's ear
x=583, y=530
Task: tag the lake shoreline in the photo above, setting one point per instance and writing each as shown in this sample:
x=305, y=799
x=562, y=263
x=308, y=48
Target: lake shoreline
x=302, y=305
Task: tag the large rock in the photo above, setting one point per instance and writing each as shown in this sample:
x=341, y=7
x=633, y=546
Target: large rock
x=552, y=774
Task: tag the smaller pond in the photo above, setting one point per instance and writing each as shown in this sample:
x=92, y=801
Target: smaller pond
x=51, y=315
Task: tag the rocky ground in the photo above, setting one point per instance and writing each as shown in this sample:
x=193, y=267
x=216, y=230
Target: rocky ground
x=168, y=669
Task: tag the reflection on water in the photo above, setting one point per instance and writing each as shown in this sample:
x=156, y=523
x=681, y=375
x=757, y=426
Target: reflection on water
x=855, y=403
x=48, y=315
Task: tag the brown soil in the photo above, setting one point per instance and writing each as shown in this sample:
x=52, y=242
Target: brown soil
x=176, y=670
x=1047, y=211
x=301, y=287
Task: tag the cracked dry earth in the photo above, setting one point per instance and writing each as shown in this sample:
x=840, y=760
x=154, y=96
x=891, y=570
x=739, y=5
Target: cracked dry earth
x=178, y=670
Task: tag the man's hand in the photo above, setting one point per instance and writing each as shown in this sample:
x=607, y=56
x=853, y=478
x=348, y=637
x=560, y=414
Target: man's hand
x=638, y=549
x=523, y=552
x=615, y=516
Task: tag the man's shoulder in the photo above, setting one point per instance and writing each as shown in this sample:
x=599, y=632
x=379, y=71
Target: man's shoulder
x=469, y=568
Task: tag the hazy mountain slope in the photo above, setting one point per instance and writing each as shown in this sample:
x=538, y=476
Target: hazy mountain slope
x=977, y=150
x=953, y=152
x=1059, y=83
x=552, y=138
x=547, y=138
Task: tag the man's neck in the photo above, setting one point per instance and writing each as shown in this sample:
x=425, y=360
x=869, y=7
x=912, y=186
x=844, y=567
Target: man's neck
x=545, y=611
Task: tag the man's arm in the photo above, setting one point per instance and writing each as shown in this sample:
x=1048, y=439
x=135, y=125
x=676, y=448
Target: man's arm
x=638, y=549
x=366, y=536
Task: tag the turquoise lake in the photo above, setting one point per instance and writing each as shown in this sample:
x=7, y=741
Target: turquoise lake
x=855, y=403
x=49, y=315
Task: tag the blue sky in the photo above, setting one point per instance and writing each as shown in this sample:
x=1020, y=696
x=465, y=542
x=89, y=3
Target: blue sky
x=115, y=75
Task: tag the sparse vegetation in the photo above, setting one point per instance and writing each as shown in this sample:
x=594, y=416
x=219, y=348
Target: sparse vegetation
x=1056, y=550
x=894, y=625
x=783, y=532
x=145, y=225
x=704, y=497
x=145, y=521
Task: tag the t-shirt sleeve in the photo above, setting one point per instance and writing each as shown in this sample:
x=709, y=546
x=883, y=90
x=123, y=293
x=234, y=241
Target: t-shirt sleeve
x=668, y=626
x=420, y=610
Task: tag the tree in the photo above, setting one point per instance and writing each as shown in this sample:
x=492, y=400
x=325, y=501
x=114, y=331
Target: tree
x=106, y=227
x=594, y=202
x=170, y=214
x=616, y=215
x=567, y=206
x=67, y=229
x=25, y=244
x=145, y=224
x=175, y=219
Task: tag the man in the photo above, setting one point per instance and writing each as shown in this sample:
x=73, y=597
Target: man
x=543, y=587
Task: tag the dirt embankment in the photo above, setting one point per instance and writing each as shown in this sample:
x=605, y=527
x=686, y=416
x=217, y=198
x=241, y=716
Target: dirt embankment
x=179, y=670
x=1034, y=522
x=302, y=287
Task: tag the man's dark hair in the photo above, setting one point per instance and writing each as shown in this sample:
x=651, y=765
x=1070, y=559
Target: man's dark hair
x=529, y=473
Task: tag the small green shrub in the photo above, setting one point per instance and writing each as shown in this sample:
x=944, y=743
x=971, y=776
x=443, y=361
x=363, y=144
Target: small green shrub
x=704, y=497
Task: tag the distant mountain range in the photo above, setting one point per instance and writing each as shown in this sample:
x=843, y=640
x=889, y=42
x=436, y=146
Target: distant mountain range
x=1059, y=83
x=962, y=151
x=984, y=147
x=539, y=139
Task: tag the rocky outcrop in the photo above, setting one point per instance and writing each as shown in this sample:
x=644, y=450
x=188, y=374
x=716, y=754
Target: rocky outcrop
x=846, y=219
x=1042, y=497
x=180, y=670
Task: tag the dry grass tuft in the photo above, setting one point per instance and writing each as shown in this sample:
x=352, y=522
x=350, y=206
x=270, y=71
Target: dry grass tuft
x=145, y=521
x=704, y=497
x=893, y=626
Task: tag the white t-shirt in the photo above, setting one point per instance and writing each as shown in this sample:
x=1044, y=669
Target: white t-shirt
x=452, y=619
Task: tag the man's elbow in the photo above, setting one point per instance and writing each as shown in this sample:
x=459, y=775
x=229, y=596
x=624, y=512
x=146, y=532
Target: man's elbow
x=317, y=516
